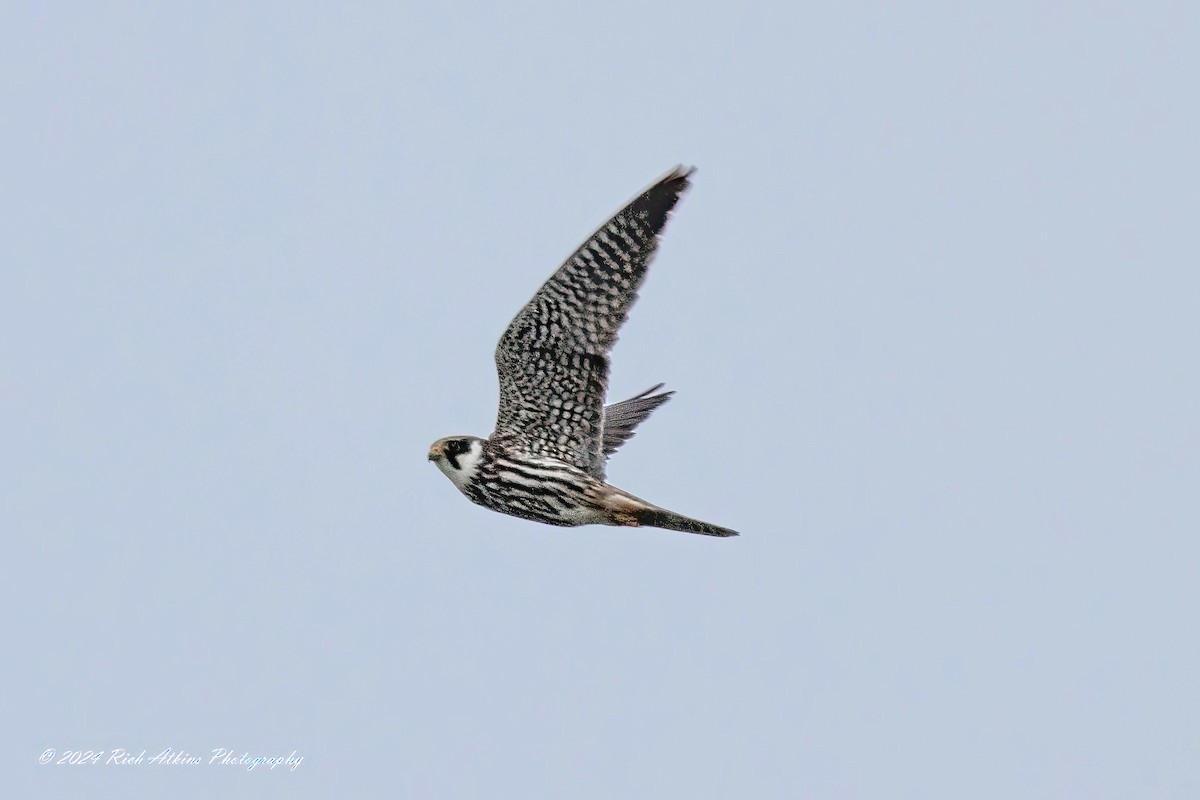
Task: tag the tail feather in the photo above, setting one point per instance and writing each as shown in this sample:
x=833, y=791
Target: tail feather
x=669, y=520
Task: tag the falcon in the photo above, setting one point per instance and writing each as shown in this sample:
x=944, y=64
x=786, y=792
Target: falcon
x=545, y=460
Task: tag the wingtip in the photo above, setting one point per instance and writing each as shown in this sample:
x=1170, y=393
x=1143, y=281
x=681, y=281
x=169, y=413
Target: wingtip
x=654, y=389
x=679, y=172
x=656, y=202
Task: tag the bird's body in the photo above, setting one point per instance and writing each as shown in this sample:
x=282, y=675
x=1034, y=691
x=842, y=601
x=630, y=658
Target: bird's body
x=545, y=461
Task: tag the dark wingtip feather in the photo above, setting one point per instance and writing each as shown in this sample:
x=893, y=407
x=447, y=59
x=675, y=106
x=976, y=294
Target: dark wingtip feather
x=621, y=418
x=656, y=203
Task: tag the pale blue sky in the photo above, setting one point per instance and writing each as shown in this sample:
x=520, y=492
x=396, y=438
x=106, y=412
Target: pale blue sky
x=930, y=310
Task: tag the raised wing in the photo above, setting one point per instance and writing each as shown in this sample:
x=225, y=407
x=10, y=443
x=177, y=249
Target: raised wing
x=553, y=358
x=621, y=418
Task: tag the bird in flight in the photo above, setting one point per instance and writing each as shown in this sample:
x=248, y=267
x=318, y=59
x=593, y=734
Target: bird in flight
x=545, y=460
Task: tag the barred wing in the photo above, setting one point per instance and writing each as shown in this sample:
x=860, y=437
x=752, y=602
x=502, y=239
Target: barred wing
x=553, y=358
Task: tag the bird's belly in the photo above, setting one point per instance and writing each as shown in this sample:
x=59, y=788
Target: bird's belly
x=550, y=504
x=585, y=515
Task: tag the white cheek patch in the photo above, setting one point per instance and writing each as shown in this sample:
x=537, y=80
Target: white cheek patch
x=468, y=465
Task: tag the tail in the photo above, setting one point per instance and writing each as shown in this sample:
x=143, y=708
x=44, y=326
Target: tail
x=669, y=520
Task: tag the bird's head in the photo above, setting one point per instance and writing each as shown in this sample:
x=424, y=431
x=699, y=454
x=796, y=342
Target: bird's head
x=458, y=457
